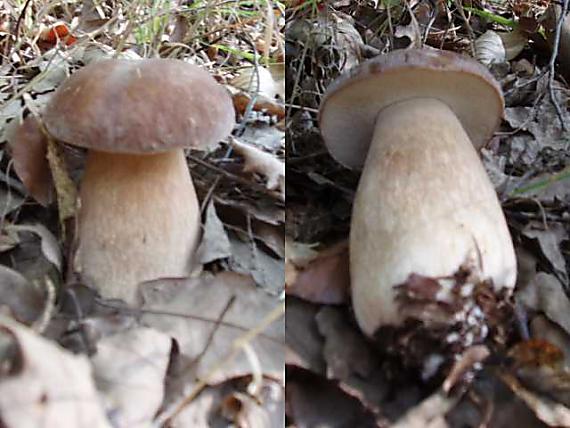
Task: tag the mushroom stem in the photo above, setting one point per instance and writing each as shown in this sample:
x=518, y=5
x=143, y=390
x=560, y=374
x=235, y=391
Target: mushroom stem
x=139, y=220
x=424, y=205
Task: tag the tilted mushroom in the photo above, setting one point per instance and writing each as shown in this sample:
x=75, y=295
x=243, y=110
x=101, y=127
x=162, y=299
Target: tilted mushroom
x=139, y=217
x=424, y=205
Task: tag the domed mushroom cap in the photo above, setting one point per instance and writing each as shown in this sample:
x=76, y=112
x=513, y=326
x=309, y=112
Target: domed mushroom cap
x=140, y=106
x=352, y=103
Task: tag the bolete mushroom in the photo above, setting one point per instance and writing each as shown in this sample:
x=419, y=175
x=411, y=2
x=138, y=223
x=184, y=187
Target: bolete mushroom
x=414, y=120
x=139, y=217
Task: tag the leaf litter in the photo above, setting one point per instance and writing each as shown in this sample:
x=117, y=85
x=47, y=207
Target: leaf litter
x=528, y=163
x=144, y=362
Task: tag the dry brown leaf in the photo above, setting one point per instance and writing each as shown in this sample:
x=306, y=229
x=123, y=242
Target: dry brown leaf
x=198, y=303
x=65, y=189
x=249, y=259
x=263, y=163
x=549, y=241
x=544, y=293
x=28, y=147
x=304, y=342
x=322, y=278
x=129, y=369
x=44, y=385
x=346, y=351
x=215, y=243
x=19, y=297
x=262, y=104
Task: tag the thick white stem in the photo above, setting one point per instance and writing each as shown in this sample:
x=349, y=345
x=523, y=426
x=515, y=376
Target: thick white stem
x=139, y=220
x=424, y=205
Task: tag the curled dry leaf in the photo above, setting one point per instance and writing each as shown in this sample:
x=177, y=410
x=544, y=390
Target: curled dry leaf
x=263, y=163
x=43, y=385
x=489, y=48
x=129, y=369
x=323, y=278
x=28, y=147
x=261, y=104
x=49, y=244
x=497, y=47
x=259, y=80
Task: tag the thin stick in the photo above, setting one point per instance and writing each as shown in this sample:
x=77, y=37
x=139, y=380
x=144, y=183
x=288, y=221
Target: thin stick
x=552, y=64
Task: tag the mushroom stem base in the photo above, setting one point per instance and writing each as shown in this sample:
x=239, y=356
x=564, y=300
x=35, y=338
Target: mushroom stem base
x=139, y=220
x=424, y=206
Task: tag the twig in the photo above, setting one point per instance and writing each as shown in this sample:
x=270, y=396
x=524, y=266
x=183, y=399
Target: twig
x=256, y=186
x=459, y=6
x=217, y=325
x=555, y=48
x=135, y=312
x=17, y=28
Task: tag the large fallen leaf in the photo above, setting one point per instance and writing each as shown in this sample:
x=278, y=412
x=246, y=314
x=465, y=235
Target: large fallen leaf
x=42, y=385
x=189, y=311
x=129, y=369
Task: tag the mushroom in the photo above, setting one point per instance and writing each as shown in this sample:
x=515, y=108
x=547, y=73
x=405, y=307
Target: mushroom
x=414, y=120
x=139, y=217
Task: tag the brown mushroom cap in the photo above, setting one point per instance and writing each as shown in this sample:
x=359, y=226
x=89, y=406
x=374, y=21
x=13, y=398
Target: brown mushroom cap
x=351, y=104
x=140, y=106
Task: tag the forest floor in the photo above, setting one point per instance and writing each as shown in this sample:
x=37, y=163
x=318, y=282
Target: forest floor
x=206, y=350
